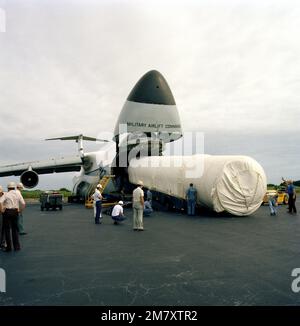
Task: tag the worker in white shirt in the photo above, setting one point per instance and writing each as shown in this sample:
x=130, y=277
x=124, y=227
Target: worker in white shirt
x=98, y=203
x=2, y=237
x=20, y=187
x=10, y=204
x=138, y=207
x=118, y=213
x=94, y=204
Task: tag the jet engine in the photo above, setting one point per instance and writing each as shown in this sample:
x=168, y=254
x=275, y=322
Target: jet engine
x=29, y=179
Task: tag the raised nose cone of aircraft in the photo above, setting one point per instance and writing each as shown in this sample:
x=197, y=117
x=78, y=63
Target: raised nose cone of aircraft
x=152, y=88
x=150, y=108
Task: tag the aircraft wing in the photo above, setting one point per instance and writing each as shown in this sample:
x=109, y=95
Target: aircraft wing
x=29, y=171
x=63, y=164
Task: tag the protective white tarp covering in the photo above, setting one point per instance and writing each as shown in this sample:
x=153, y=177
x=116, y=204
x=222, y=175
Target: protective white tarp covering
x=235, y=184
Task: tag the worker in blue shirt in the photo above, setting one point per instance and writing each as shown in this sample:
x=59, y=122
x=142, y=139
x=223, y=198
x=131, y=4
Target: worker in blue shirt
x=148, y=210
x=292, y=196
x=149, y=196
x=191, y=197
x=273, y=204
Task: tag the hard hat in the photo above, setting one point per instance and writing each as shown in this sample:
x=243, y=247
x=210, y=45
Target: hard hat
x=20, y=185
x=140, y=183
x=11, y=185
x=99, y=186
x=120, y=202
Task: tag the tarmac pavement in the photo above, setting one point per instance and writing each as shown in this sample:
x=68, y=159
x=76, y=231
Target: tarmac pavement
x=178, y=260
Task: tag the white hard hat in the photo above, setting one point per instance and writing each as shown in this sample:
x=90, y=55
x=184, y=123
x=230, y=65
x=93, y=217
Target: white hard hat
x=140, y=183
x=120, y=202
x=11, y=185
x=99, y=186
x=20, y=185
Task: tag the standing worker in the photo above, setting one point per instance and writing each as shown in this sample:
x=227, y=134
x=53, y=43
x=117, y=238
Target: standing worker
x=20, y=187
x=10, y=204
x=273, y=204
x=191, y=197
x=98, y=203
x=2, y=236
x=138, y=207
x=292, y=196
x=149, y=196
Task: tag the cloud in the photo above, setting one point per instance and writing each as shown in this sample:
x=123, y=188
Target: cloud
x=68, y=66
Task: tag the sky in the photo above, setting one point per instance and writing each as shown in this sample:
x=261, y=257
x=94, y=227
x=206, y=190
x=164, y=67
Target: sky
x=67, y=67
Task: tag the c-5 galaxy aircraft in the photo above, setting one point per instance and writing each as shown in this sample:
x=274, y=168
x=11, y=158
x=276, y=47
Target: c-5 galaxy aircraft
x=148, y=121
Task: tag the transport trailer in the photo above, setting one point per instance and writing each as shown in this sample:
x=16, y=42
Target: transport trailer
x=224, y=183
x=51, y=200
x=164, y=202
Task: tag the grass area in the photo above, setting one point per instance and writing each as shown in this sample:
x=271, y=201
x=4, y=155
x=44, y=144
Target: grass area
x=37, y=193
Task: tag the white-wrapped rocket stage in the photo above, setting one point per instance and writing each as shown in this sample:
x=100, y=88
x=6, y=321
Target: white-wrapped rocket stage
x=235, y=184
